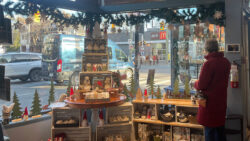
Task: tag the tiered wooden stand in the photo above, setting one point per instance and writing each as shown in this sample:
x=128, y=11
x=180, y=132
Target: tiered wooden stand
x=179, y=104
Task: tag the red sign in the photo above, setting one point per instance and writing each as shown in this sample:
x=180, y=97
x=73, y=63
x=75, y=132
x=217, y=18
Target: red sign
x=163, y=35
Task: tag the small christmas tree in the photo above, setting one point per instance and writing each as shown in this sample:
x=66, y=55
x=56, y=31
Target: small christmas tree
x=151, y=87
x=158, y=93
x=132, y=86
x=176, y=88
x=126, y=92
x=68, y=88
x=51, y=92
x=36, y=106
x=187, y=89
x=16, y=112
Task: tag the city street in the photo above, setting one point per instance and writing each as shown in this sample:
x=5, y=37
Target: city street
x=25, y=90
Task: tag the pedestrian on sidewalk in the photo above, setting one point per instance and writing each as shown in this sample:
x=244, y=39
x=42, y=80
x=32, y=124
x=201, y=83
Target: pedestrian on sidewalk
x=157, y=59
x=154, y=59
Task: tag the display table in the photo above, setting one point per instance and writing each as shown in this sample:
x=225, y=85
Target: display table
x=95, y=106
x=114, y=101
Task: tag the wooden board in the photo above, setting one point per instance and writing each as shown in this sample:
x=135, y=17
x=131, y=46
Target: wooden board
x=168, y=123
x=114, y=101
x=177, y=102
x=116, y=129
x=73, y=134
x=122, y=110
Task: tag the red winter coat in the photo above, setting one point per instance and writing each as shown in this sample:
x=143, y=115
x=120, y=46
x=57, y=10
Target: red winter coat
x=213, y=81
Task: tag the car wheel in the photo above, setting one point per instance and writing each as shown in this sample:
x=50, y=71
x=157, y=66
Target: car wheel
x=129, y=73
x=35, y=75
x=75, y=79
x=24, y=78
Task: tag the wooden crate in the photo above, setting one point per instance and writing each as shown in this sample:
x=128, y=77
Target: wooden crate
x=94, y=59
x=74, y=134
x=124, y=129
x=65, y=113
x=122, y=110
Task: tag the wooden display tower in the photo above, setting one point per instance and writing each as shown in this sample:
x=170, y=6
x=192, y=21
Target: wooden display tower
x=95, y=61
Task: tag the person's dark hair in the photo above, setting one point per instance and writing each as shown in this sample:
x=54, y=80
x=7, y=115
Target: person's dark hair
x=211, y=45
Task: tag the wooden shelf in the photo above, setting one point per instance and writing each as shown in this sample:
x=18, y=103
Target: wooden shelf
x=176, y=102
x=95, y=54
x=69, y=128
x=97, y=72
x=115, y=125
x=188, y=125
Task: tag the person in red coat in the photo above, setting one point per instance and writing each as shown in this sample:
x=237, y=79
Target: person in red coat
x=213, y=83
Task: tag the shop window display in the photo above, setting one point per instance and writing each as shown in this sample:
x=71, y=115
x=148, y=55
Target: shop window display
x=188, y=53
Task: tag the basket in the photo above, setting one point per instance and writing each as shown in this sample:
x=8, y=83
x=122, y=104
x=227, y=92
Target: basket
x=166, y=119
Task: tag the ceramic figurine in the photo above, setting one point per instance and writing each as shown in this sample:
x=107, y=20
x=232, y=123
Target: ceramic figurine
x=6, y=113
x=86, y=84
x=149, y=113
x=139, y=94
x=107, y=83
x=62, y=97
x=84, y=121
x=89, y=67
x=25, y=115
x=104, y=67
x=99, y=68
x=90, y=48
x=94, y=67
x=96, y=48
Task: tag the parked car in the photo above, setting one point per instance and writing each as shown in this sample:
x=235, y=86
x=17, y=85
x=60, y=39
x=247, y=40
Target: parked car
x=22, y=65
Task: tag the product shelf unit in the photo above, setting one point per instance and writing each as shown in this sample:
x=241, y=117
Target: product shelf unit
x=76, y=133
x=179, y=105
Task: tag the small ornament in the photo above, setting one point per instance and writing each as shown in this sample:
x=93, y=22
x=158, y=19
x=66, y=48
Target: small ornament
x=104, y=67
x=101, y=120
x=218, y=15
x=25, y=114
x=90, y=47
x=37, y=17
x=62, y=97
x=71, y=93
x=94, y=67
x=145, y=94
x=139, y=94
x=149, y=113
x=113, y=29
x=84, y=121
x=107, y=84
x=96, y=48
x=89, y=67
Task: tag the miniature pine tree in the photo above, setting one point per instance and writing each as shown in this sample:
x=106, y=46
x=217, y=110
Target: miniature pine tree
x=51, y=92
x=126, y=92
x=36, y=106
x=132, y=86
x=176, y=88
x=187, y=89
x=16, y=112
x=151, y=87
x=158, y=93
x=68, y=88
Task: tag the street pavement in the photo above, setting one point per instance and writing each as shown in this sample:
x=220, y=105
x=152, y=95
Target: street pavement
x=25, y=90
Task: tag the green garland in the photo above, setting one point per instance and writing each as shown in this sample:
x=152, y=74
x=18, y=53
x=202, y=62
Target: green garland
x=203, y=13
